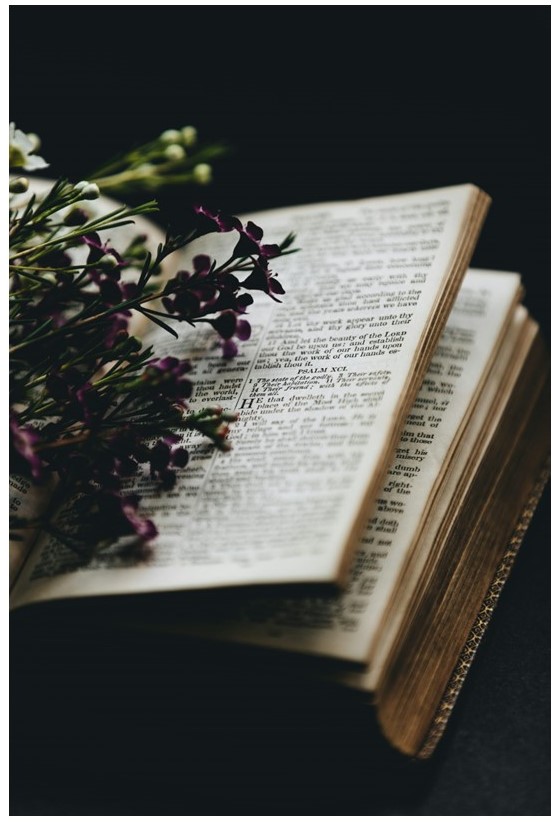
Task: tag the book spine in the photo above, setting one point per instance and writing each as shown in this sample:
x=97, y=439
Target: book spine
x=478, y=629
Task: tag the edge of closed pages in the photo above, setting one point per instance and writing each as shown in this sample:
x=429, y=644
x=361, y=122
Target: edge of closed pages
x=483, y=618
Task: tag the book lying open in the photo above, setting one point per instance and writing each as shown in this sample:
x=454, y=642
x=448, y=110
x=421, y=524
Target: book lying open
x=390, y=445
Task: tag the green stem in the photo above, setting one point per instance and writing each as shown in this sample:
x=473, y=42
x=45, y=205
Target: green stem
x=70, y=326
x=34, y=277
x=109, y=221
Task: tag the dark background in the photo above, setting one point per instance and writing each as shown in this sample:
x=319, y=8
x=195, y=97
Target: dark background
x=351, y=102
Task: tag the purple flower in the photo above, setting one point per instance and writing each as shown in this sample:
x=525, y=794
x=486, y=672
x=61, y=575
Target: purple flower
x=99, y=250
x=54, y=303
x=115, y=516
x=24, y=440
x=118, y=323
x=102, y=516
x=162, y=457
x=180, y=457
x=202, y=264
x=230, y=349
x=55, y=258
x=167, y=377
x=261, y=279
x=227, y=325
x=144, y=528
x=190, y=296
x=250, y=243
x=82, y=400
x=113, y=293
x=110, y=291
x=208, y=221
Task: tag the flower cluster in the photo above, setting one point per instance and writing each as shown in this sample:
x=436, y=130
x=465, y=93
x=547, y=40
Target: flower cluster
x=215, y=294
x=174, y=158
x=89, y=402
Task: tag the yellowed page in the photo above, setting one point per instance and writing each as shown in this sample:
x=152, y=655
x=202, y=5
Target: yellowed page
x=476, y=437
x=318, y=386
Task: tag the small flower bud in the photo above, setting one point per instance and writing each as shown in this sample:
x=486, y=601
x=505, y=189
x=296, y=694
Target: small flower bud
x=171, y=135
x=180, y=457
x=230, y=416
x=189, y=135
x=108, y=261
x=134, y=344
x=144, y=170
x=19, y=185
x=90, y=191
x=77, y=216
x=202, y=173
x=175, y=152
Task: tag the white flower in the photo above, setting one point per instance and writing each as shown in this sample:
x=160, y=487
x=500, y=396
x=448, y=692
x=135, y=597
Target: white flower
x=20, y=151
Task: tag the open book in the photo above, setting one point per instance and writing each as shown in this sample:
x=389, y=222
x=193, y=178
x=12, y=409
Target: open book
x=382, y=456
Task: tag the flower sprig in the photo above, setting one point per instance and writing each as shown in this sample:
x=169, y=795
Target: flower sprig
x=89, y=402
x=175, y=157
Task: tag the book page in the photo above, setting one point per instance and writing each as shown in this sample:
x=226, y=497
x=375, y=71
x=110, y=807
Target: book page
x=345, y=625
x=27, y=502
x=455, y=516
x=320, y=387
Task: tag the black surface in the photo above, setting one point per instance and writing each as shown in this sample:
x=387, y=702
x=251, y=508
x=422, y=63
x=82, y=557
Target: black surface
x=354, y=102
